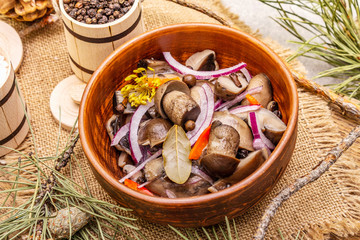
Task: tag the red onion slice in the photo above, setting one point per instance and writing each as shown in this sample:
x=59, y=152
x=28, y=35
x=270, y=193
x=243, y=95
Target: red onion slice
x=120, y=134
x=170, y=194
x=193, y=180
x=205, y=116
x=136, y=151
x=239, y=98
x=246, y=74
x=218, y=103
x=201, y=174
x=141, y=166
x=260, y=140
x=244, y=109
x=200, y=74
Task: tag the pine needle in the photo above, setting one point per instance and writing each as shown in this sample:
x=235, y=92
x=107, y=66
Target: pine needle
x=336, y=40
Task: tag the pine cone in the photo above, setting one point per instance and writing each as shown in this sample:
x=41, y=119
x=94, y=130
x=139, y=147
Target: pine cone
x=25, y=10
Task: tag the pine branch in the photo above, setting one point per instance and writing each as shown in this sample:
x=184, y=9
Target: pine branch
x=335, y=40
x=317, y=172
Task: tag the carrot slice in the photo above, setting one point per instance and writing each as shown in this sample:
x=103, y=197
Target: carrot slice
x=252, y=100
x=200, y=144
x=135, y=186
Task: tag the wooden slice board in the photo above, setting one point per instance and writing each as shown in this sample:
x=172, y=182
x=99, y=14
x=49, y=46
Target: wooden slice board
x=65, y=98
x=10, y=41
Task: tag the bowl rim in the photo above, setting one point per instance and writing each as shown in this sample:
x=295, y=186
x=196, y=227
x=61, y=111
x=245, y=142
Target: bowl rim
x=196, y=200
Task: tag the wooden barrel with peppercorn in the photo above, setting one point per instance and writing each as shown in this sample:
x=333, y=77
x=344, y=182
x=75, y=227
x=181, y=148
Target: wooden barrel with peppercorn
x=13, y=124
x=95, y=28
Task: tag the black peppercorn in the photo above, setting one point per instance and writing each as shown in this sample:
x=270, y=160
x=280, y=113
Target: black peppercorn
x=83, y=11
x=190, y=80
x=80, y=18
x=103, y=20
x=108, y=11
x=91, y=12
x=67, y=8
x=88, y=20
x=278, y=114
x=116, y=14
x=116, y=6
x=97, y=11
x=79, y=5
x=73, y=13
x=242, y=153
x=98, y=16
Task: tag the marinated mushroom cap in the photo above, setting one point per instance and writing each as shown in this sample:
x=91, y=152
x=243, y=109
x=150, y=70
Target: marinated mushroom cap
x=194, y=91
x=159, y=66
x=112, y=126
x=154, y=169
x=180, y=108
x=124, y=159
x=263, y=97
x=154, y=132
x=171, y=76
x=228, y=87
x=223, y=143
x=272, y=126
x=203, y=61
x=166, y=88
x=194, y=186
x=246, y=137
x=219, y=165
x=246, y=166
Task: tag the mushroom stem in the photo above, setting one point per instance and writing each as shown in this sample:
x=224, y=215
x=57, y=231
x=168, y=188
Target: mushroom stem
x=332, y=156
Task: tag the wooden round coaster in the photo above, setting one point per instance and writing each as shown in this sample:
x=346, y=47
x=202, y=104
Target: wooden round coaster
x=77, y=91
x=61, y=101
x=10, y=41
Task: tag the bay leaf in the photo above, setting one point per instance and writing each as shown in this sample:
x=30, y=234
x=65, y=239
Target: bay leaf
x=176, y=151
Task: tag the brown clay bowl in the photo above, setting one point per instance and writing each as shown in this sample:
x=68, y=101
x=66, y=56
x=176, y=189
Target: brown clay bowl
x=231, y=46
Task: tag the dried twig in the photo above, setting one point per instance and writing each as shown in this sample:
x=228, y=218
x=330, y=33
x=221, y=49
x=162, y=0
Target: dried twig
x=39, y=24
x=202, y=10
x=347, y=106
x=320, y=169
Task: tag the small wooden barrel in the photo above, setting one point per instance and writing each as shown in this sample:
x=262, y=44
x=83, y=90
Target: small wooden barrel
x=13, y=123
x=89, y=44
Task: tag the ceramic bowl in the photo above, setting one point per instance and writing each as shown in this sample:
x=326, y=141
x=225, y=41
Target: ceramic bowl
x=232, y=46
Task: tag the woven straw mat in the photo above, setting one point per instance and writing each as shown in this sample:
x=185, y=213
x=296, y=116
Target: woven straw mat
x=327, y=208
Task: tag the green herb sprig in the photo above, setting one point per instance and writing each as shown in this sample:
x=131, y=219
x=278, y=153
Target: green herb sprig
x=336, y=39
x=52, y=192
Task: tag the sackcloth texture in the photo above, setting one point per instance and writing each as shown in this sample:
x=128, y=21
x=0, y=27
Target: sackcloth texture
x=326, y=209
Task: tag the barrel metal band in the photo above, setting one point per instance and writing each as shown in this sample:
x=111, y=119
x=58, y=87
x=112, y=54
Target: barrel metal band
x=80, y=67
x=14, y=133
x=8, y=95
x=106, y=39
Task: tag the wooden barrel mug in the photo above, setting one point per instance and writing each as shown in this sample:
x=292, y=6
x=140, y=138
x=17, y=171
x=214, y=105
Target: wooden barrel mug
x=13, y=123
x=89, y=44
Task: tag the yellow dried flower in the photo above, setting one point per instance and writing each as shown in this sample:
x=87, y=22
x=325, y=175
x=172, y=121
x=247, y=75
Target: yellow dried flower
x=144, y=87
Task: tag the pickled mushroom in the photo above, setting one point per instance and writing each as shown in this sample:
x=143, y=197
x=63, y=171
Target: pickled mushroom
x=220, y=159
x=265, y=96
x=246, y=166
x=203, y=61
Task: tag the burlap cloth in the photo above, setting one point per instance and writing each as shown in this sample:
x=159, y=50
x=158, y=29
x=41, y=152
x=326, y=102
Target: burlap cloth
x=326, y=208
